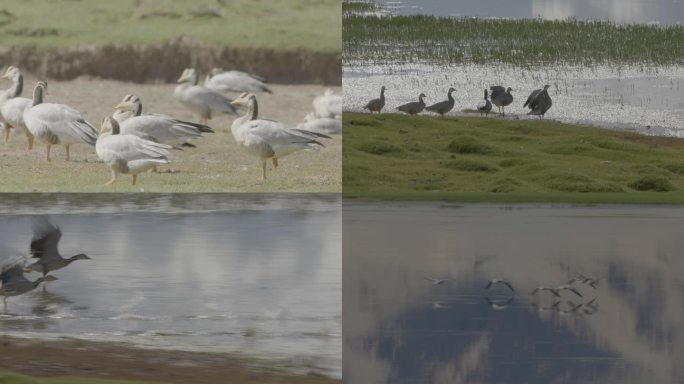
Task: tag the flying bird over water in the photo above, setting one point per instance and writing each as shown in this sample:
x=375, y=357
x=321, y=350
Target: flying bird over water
x=499, y=281
x=46, y=238
x=14, y=283
x=436, y=281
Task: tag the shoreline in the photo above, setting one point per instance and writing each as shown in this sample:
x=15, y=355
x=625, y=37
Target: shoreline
x=78, y=358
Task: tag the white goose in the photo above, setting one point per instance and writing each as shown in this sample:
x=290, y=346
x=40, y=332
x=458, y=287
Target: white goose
x=268, y=139
x=155, y=127
x=328, y=105
x=199, y=99
x=12, y=109
x=235, y=81
x=128, y=154
x=325, y=125
x=57, y=124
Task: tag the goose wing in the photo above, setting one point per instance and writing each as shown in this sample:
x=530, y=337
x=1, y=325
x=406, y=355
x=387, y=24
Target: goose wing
x=162, y=128
x=60, y=120
x=278, y=137
x=531, y=99
x=46, y=237
x=127, y=148
x=237, y=82
x=12, y=273
x=204, y=97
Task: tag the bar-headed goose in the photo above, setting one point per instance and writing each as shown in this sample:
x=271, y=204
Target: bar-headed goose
x=201, y=100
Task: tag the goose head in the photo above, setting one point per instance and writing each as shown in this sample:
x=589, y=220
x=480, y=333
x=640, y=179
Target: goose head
x=509, y=89
x=248, y=100
x=39, y=92
x=421, y=96
x=451, y=89
x=189, y=75
x=109, y=126
x=130, y=103
x=12, y=72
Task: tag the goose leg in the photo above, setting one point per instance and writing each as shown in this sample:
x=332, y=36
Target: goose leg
x=110, y=182
x=47, y=153
x=152, y=170
x=5, y=136
x=135, y=177
x=263, y=169
x=29, y=138
x=275, y=162
x=67, y=152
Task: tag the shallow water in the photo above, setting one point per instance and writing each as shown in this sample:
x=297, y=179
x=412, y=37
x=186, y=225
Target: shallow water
x=666, y=12
x=401, y=328
x=645, y=99
x=258, y=275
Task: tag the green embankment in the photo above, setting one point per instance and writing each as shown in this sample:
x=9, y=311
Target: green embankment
x=11, y=378
x=473, y=159
x=281, y=25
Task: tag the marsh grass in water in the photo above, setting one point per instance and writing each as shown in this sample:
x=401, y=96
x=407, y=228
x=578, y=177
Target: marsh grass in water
x=424, y=38
x=466, y=159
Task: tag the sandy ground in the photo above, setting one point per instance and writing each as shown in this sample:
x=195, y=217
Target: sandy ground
x=216, y=165
x=113, y=361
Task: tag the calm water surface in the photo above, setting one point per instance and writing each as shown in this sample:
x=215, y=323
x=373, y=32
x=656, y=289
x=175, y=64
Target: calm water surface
x=666, y=12
x=257, y=275
x=401, y=328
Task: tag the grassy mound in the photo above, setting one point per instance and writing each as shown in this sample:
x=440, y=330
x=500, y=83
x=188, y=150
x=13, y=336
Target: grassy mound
x=393, y=156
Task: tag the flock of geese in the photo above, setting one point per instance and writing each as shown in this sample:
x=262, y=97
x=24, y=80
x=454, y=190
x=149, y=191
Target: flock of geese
x=538, y=102
x=546, y=298
x=44, y=258
x=130, y=141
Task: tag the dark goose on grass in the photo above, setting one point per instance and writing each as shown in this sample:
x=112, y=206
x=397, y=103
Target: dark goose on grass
x=414, y=107
x=539, y=102
x=501, y=97
x=443, y=107
x=485, y=106
x=376, y=105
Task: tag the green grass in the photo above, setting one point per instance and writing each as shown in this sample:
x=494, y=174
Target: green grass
x=472, y=159
x=425, y=38
x=288, y=24
x=11, y=378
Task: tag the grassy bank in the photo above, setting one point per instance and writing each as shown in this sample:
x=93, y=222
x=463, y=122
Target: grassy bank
x=79, y=361
x=283, y=25
x=472, y=159
x=421, y=38
x=10, y=378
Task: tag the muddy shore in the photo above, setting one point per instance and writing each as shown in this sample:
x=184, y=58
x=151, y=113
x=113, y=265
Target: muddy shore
x=150, y=63
x=117, y=361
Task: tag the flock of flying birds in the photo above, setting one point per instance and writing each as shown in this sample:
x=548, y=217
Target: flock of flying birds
x=44, y=257
x=130, y=141
x=555, y=299
x=538, y=102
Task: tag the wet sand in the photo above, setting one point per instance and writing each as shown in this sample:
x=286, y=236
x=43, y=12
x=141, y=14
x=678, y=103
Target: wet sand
x=216, y=165
x=117, y=361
